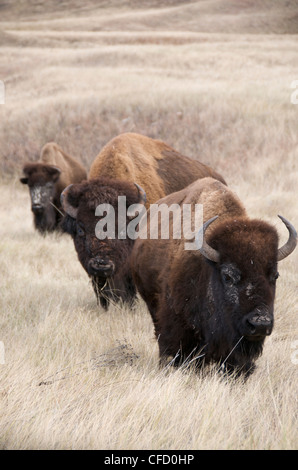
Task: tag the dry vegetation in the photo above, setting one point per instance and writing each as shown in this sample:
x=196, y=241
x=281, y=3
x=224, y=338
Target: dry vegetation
x=212, y=79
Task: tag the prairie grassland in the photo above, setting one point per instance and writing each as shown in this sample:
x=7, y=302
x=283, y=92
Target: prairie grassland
x=76, y=377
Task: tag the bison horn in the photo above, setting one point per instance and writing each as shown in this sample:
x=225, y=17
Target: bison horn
x=142, y=194
x=290, y=245
x=68, y=208
x=206, y=250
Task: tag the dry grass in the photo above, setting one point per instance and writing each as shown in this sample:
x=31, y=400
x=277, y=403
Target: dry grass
x=76, y=376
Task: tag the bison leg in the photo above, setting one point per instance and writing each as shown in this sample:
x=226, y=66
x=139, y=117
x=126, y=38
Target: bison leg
x=166, y=360
x=169, y=351
x=182, y=352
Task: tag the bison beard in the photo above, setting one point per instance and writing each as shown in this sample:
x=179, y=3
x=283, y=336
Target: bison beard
x=214, y=304
x=47, y=220
x=115, y=289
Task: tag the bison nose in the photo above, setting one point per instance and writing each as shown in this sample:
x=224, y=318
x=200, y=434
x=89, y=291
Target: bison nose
x=260, y=325
x=100, y=267
x=36, y=208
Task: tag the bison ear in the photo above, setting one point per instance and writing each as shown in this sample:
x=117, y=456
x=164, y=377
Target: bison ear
x=27, y=170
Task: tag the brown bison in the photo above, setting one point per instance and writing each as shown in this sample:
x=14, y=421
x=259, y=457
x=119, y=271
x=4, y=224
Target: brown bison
x=125, y=165
x=213, y=303
x=46, y=180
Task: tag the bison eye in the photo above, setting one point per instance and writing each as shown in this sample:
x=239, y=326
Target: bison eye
x=273, y=277
x=230, y=275
x=227, y=279
x=80, y=231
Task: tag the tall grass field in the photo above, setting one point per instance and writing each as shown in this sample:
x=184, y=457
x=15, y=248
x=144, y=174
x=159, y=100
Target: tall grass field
x=214, y=79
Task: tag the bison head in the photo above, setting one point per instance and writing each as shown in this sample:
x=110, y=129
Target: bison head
x=41, y=179
x=244, y=255
x=101, y=255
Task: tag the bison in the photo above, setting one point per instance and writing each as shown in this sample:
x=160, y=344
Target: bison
x=46, y=180
x=130, y=165
x=213, y=303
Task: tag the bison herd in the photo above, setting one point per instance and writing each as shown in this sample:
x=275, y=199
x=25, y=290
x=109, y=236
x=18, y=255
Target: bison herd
x=213, y=303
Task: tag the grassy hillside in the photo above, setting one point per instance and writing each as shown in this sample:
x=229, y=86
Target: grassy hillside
x=212, y=79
